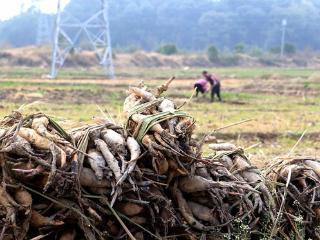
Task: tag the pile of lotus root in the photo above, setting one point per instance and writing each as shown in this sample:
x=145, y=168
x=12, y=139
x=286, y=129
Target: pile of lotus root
x=297, y=195
x=148, y=180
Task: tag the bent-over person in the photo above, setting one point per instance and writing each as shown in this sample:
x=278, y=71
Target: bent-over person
x=215, y=85
x=201, y=86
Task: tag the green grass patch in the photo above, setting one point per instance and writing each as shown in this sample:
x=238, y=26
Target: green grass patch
x=283, y=117
x=156, y=73
x=265, y=72
x=36, y=72
x=246, y=97
x=51, y=85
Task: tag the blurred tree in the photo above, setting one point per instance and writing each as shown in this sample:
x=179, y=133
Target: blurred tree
x=275, y=50
x=190, y=24
x=255, y=52
x=239, y=48
x=213, y=54
x=289, y=48
x=20, y=30
x=167, y=49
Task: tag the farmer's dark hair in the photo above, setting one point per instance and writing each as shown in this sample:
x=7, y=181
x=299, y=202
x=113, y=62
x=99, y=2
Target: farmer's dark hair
x=204, y=72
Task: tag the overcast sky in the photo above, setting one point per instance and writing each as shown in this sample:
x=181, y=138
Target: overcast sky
x=10, y=8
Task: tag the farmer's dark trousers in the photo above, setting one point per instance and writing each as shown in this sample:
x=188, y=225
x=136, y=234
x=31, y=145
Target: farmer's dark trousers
x=198, y=88
x=215, y=91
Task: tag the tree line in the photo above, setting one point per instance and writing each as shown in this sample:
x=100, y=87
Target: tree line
x=189, y=24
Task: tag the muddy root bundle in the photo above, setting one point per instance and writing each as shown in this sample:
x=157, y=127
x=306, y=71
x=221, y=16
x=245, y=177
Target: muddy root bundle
x=148, y=180
x=163, y=130
x=111, y=171
x=250, y=203
x=297, y=195
x=209, y=194
x=82, y=185
x=37, y=160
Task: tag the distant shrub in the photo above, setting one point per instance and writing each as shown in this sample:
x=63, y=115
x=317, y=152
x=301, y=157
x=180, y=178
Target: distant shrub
x=213, y=54
x=274, y=50
x=5, y=55
x=168, y=49
x=268, y=61
x=131, y=49
x=72, y=51
x=255, y=52
x=300, y=62
x=229, y=60
x=289, y=48
x=239, y=48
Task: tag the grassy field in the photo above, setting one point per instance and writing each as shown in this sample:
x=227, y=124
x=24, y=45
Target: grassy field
x=280, y=103
x=156, y=73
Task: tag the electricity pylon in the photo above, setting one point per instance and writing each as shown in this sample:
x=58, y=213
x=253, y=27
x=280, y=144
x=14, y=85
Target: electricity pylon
x=43, y=30
x=283, y=36
x=69, y=30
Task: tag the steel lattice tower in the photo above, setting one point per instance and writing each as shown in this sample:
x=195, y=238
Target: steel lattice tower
x=43, y=28
x=69, y=31
x=43, y=31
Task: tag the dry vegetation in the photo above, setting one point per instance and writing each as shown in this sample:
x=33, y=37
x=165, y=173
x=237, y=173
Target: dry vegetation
x=282, y=103
x=41, y=56
x=67, y=185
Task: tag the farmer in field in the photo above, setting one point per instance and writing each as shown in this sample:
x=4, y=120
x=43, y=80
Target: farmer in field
x=201, y=86
x=215, y=84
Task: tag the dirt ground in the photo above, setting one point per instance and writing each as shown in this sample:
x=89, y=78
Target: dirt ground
x=280, y=109
x=84, y=91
